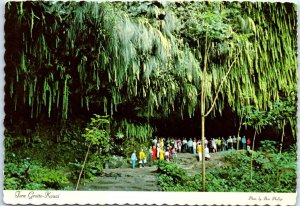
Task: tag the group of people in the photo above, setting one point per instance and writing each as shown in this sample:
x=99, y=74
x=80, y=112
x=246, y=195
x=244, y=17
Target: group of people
x=142, y=158
x=156, y=152
x=232, y=142
x=167, y=148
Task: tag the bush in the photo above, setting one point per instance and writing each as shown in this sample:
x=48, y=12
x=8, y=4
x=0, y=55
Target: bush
x=272, y=172
x=46, y=178
x=31, y=175
x=11, y=183
x=173, y=178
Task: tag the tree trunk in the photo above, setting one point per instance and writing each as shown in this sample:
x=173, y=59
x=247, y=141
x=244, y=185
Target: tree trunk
x=253, y=140
x=203, y=87
x=203, y=153
x=203, y=132
x=238, y=134
x=251, y=166
x=282, y=136
x=203, y=97
x=86, y=155
x=251, y=161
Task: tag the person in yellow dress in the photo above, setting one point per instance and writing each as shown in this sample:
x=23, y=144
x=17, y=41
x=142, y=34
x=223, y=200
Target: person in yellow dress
x=199, y=150
x=142, y=157
x=161, y=154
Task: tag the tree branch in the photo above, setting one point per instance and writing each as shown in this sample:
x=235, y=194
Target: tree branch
x=79, y=177
x=220, y=86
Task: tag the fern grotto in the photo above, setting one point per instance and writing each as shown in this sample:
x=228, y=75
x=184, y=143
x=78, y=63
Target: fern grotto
x=89, y=83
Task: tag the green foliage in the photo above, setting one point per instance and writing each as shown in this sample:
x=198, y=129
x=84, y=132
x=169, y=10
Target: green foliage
x=173, y=178
x=95, y=164
x=139, y=132
x=52, y=179
x=109, y=55
x=273, y=172
x=285, y=111
x=11, y=183
x=130, y=136
x=86, y=56
x=93, y=167
x=30, y=175
x=278, y=114
x=268, y=146
x=98, y=132
x=256, y=118
x=14, y=141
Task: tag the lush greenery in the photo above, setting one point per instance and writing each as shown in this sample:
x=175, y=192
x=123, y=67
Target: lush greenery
x=28, y=175
x=146, y=57
x=139, y=66
x=173, y=178
x=41, y=167
x=273, y=172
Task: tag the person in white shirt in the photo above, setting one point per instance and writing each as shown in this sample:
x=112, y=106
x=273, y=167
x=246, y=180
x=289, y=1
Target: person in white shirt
x=167, y=154
x=158, y=149
x=206, y=153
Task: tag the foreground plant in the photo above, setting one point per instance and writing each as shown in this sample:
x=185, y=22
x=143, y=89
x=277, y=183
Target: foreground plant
x=96, y=134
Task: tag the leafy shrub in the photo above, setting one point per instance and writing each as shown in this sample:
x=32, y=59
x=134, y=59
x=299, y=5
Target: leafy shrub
x=98, y=132
x=272, y=172
x=97, y=137
x=11, y=183
x=27, y=174
x=93, y=167
x=173, y=178
x=95, y=163
x=268, y=146
x=50, y=179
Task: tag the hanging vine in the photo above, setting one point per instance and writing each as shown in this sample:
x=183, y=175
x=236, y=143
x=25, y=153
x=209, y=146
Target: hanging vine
x=110, y=53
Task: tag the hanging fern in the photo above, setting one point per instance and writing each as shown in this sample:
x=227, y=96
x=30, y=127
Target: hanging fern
x=114, y=53
x=140, y=132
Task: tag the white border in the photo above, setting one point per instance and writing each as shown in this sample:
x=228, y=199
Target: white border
x=169, y=198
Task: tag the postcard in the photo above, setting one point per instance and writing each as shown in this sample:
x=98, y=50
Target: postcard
x=150, y=102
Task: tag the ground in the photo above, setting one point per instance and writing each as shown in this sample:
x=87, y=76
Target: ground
x=145, y=179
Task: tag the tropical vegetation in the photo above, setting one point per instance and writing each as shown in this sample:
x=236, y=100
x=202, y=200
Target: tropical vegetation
x=144, y=68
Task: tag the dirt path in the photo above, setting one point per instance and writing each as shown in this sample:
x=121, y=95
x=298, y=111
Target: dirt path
x=190, y=162
x=125, y=179
x=144, y=179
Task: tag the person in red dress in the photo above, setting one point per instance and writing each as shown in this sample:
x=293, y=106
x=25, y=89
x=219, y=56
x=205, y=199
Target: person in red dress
x=154, y=153
x=170, y=153
x=248, y=144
